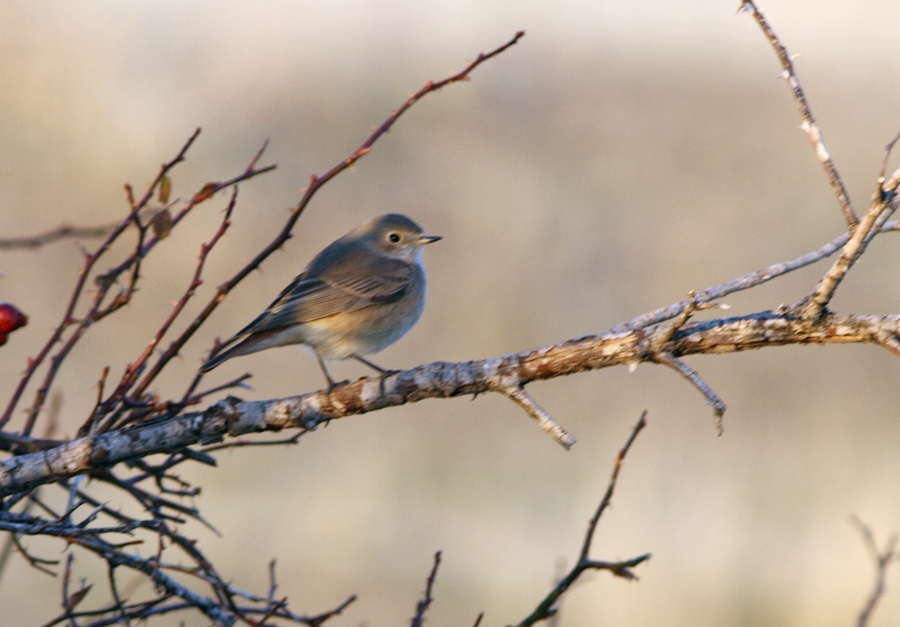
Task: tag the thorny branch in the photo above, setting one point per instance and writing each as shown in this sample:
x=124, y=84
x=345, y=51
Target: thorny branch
x=98, y=307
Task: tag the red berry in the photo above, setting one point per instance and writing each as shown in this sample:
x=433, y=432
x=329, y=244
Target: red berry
x=10, y=319
x=2, y=339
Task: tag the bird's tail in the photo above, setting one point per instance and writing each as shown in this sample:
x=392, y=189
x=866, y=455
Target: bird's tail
x=242, y=345
x=216, y=359
x=213, y=362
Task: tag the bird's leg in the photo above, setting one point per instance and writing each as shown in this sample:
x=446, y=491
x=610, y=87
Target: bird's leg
x=384, y=372
x=331, y=382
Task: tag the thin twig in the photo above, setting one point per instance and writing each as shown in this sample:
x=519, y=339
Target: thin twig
x=544, y=419
x=61, y=232
x=35, y=562
x=611, y=486
x=67, y=319
x=242, y=443
x=882, y=559
x=694, y=377
x=97, y=310
x=133, y=371
x=741, y=283
x=422, y=606
x=548, y=606
x=809, y=124
x=879, y=211
x=126, y=619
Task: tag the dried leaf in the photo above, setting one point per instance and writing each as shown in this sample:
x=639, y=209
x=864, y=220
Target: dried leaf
x=78, y=597
x=165, y=188
x=207, y=192
x=162, y=224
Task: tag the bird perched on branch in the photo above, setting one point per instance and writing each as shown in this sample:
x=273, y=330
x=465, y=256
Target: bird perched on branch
x=361, y=294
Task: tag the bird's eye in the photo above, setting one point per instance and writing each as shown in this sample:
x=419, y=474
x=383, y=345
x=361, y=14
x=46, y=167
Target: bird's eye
x=394, y=237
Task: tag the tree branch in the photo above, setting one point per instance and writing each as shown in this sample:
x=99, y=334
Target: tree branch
x=233, y=417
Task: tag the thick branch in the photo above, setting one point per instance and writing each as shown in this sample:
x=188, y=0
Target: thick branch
x=234, y=417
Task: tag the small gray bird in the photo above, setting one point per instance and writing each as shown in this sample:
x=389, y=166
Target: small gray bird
x=358, y=296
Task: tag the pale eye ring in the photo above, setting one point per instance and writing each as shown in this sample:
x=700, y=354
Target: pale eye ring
x=394, y=237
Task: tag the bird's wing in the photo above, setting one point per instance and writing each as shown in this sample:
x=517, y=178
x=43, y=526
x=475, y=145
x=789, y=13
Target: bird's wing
x=307, y=299
x=299, y=279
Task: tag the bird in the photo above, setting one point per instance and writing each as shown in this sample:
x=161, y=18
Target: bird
x=359, y=295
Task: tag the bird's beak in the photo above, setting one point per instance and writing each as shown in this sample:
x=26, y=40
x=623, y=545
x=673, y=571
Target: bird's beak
x=427, y=239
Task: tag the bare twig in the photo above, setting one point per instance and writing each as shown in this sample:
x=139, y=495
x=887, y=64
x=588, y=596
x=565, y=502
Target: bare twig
x=123, y=614
x=882, y=559
x=809, y=124
x=134, y=370
x=657, y=348
x=35, y=562
x=879, y=212
x=884, y=204
x=243, y=443
x=61, y=232
x=548, y=606
x=422, y=606
x=545, y=420
x=741, y=283
x=99, y=308
x=694, y=377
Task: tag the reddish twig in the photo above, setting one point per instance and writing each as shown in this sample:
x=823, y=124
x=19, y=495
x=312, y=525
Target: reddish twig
x=90, y=261
x=133, y=371
x=97, y=310
x=205, y=193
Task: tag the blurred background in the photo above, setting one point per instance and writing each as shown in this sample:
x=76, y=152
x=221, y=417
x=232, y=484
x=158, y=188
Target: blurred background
x=620, y=155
